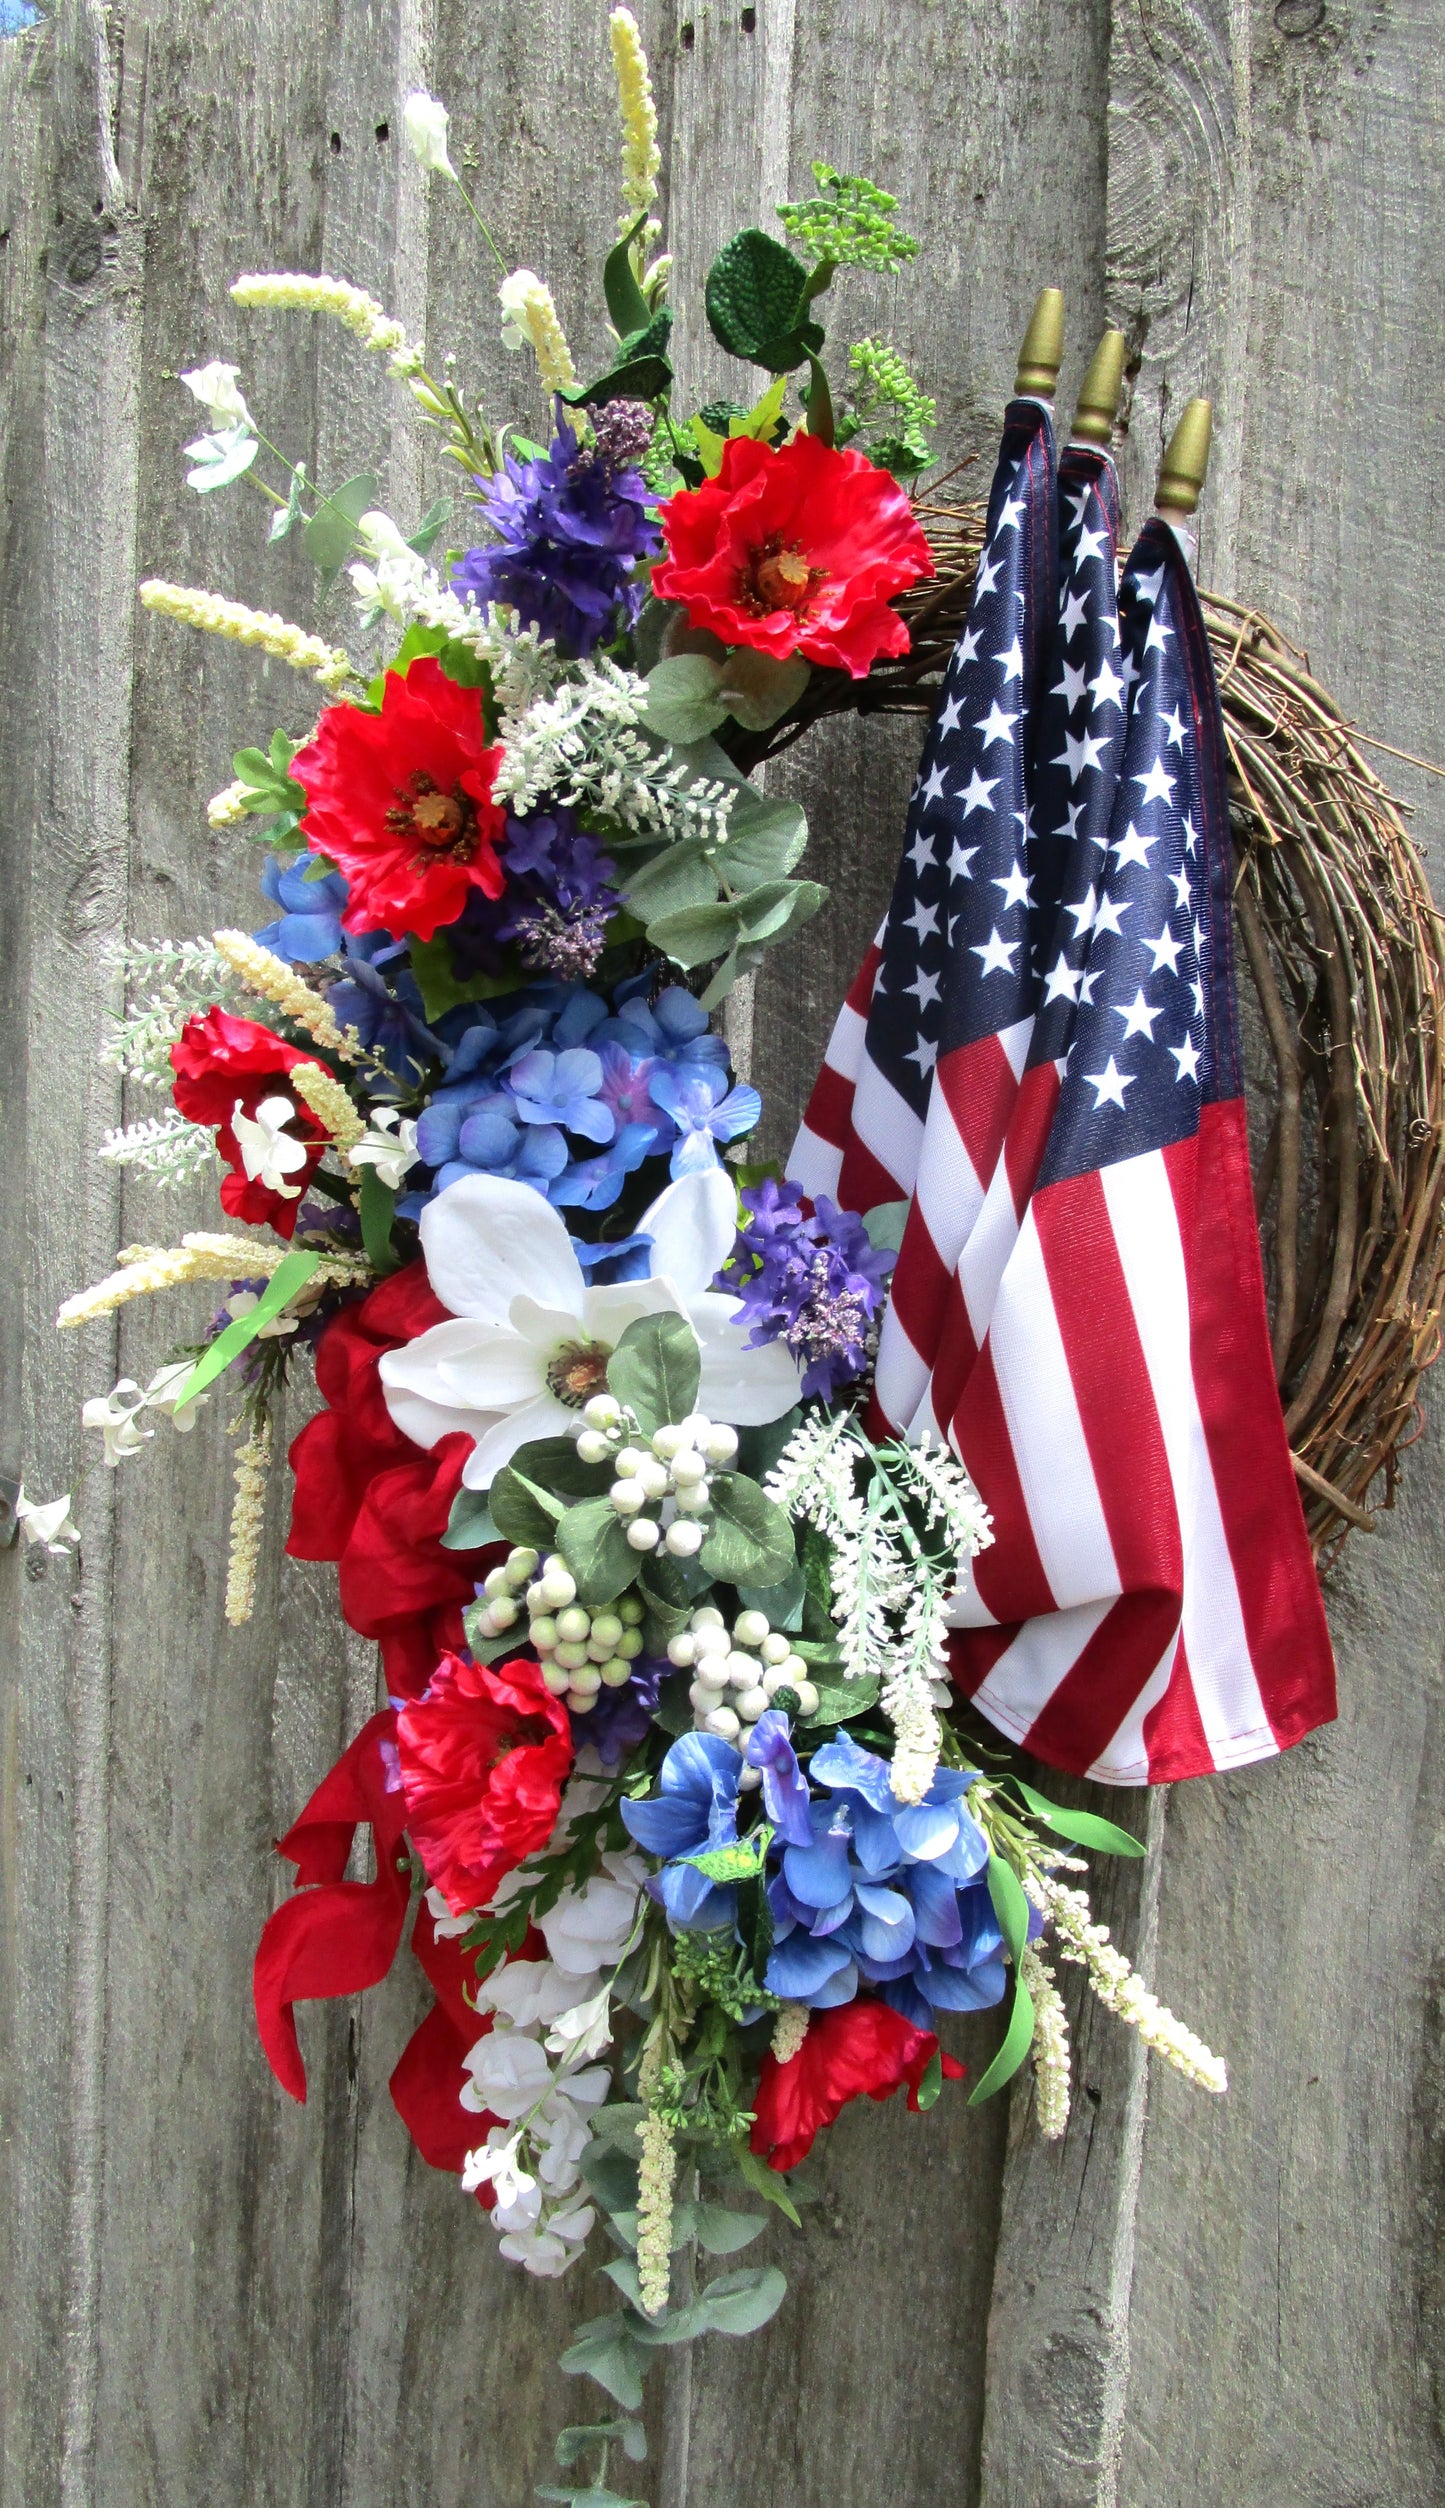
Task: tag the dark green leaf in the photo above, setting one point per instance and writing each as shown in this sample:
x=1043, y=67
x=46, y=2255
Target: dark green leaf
x=754, y=299
x=469, y=1526
x=1009, y=1905
x=627, y=308
x=767, y=2181
x=840, y=1701
x=554, y=1464
x=932, y=2082
x=331, y=533
x=441, y=988
x=696, y=934
x=1083, y=1828
x=378, y=1210
x=781, y=1604
x=611, y=2176
x=749, y=1539
x=655, y=1370
x=820, y=404
x=517, y=1514
x=1018, y=2038
x=760, y=1447
x=591, y=1539
x=673, y=1712
x=429, y=529
x=639, y=372
x=489, y=1649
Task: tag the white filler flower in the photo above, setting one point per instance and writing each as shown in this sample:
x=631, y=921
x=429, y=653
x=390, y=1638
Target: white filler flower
x=217, y=390
x=424, y=120
x=531, y=1339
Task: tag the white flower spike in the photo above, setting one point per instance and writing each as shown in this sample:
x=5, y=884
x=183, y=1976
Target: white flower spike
x=424, y=120
x=531, y=1339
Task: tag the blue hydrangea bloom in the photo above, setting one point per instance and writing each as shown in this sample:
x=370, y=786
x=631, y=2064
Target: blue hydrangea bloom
x=563, y=1089
x=704, y=1111
x=571, y=527
x=308, y=927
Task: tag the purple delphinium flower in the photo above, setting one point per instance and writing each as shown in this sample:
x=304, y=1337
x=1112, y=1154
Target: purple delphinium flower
x=556, y=905
x=815, y=1283
x=618, y=1718
x=571, y=527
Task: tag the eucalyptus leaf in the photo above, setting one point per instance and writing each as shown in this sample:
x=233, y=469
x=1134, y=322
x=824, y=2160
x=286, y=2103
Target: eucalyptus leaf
x=591, y=1539
x=758, y=688
x=763, y=843
x=606, y=2350
x=738, y=963
x=739, y=2303
x=749, y=1539
x=695, y=934
x=885, y=1224
x=683, y=701
x=675, y=880
x=655, y=1370
x=780, y=906
x=330, y=535
x=720, y=2231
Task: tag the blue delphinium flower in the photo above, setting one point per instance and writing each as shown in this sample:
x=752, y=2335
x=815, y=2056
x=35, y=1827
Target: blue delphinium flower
x=893, y=1894
x=815, y=1283
x=704, y=1111
x=571, y=528
x=308, y=927
x=385, y=1008
x=696, y=1812
x=618, y=1718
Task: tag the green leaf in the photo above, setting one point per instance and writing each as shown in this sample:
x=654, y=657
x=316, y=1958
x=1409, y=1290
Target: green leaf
x=378, y=1211
x=1083, y=1828
x=291, y=1273
x=780, y=1604
x=457, y=660
x=627, y=308
x=430, y=528
x=763, y=843
x=489, y=1649
x=779, y=907
x=470, y=1525
x=720, y=2231
x=759, y=1447
x=606, y=2350
x=885, y=1224
x=441, y=989
x=673, y=1712
x=683, y=702
x=749, y=1539
x=840, y=1701
x=739, y=2303
x=761, y=421
x=754, y=299
x=266, y=775
x=1009, y=1905
x=1018, y=2038
x=639, y=372
x=554, y=1464
x=655, y=1370
x=517, y=1514
x=673, y=881
x=611, y=2176
x=820, y=404
x=766, y=2181
x=591, y=1539
x=695, y=934
x=331, y=533
x=932, y=2082
x=758, y=689
x=290, y=513
x=739, y=962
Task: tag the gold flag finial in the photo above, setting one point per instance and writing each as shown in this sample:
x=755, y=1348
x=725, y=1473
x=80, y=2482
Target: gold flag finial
x=1181, y=475
x=1042, y=352
x=1099, y=394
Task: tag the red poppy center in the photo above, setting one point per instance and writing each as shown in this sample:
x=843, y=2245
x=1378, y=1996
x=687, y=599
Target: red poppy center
x=529, y=1731
x=779, y=578
x=577, y=1371
x=442, y=824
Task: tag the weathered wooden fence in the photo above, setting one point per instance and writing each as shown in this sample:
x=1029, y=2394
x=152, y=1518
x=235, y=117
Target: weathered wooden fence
x=212, y=2297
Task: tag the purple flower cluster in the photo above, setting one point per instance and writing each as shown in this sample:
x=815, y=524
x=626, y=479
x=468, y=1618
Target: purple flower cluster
x=534, y=1076
x=815, y=1283
x=556, y=903
x=571, y=526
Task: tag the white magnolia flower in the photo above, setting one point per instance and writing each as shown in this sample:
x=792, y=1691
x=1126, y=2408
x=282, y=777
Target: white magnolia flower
x=498, y=2163
x=115, y=1415
x=217, y=390
x=530, y=1340
x=589, y=1928
x=390, y=1153
x=269, y=1153
x=424, y=120
x=584, y=2030
x=50, y=1525
x=529, y=1992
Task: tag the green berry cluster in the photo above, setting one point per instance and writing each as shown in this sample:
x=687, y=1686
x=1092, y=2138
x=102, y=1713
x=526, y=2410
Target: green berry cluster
x=581, y=1651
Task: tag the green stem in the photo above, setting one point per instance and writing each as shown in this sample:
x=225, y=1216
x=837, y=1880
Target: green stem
x=502, y=265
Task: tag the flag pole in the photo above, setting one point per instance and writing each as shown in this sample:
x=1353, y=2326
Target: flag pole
x=1100, y=393
x=1042, y=352
x=1182, y=473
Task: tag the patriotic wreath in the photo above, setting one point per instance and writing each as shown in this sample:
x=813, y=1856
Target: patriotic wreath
x=720, y=1527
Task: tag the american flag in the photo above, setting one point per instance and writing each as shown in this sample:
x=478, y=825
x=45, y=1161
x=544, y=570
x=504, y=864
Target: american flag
x=1086, y=1322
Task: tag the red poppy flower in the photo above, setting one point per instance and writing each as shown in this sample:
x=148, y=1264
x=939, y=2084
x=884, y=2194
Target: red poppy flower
x=798, y=551
x=858, y=2049
x=484, y=1756
x=378, y=1505
x=221, y=1062
x=401, y=801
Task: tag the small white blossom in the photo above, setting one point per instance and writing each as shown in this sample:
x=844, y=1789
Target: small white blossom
x=389, y=1145
x=269, y=1153
x=530, y=1993
x=497, y=2164
x=114, y=1414
x=50, y=1525
x=590, y=1928
x=583, y=2031
x=245, y=1302
x=424, y=120
x=217, y=390
x=160, y=1395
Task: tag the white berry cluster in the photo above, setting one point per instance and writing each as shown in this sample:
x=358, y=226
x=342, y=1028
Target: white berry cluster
x=737, y=1676
x=661, y=1485
x=581, y=1651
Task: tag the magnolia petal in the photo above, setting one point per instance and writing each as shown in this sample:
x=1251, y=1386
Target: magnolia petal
x=607, y=1312
x=489, y=1239
x=739, y=1384
x=693, y=1225
x=495, y=1446
x=545, y=1327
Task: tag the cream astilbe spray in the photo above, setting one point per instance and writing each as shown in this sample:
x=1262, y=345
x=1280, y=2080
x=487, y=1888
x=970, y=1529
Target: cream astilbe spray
x=271, y=979
x=790, y=2028
x=369, y=322
x=657, y=2176
x=1119, y=1988
x=145, y=1269
x=641, y=157
x=263, y=628
x=329, y=1103
x=1050, y=2050
x=248, y=1517
x=530, y=319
